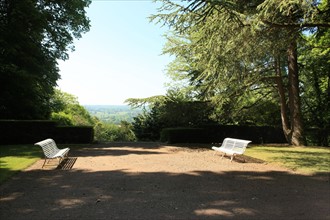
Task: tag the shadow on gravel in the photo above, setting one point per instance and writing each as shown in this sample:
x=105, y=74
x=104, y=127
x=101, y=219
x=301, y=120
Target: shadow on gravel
x=67, y=193
x=117, y=149
x=67, y=163
x=81, y=194
x=145, y=148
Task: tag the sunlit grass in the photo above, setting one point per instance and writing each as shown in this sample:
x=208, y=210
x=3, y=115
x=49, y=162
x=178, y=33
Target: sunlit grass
x=301, y=159
x=14, y=158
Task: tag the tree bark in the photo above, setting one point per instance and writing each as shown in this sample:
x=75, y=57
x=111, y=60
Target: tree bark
x=284, y=109
x=294, y=97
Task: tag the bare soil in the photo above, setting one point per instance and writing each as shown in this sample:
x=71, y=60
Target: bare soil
x=155, y=181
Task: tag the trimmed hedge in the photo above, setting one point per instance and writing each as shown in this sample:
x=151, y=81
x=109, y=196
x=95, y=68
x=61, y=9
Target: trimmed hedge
x=183, y=135
x=74, y=134
x=32, y=131
x=216, y=134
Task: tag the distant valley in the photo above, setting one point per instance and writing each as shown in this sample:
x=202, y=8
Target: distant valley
x=113, y=114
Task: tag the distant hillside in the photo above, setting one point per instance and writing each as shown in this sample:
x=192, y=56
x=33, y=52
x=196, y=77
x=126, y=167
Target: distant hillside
x=113, y=114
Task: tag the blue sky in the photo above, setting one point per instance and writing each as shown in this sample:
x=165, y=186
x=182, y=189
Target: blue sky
x=119, y=58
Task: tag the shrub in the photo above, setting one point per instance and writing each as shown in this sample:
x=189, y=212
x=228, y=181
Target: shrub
x=111, y=132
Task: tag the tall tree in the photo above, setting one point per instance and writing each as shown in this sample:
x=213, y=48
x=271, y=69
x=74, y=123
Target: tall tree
x=34, y=35
x=239, y=45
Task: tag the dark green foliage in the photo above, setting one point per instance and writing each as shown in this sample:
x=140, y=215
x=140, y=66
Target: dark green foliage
x=105, y=132
x=32, y=131
x=231, y=49
x=168, y=113
x=147, y=125
x=74, y=134
x=315, y=80
x=184, y=135
x=248, y=111
x=318, y=137
x=34, y=35
x=216, y=134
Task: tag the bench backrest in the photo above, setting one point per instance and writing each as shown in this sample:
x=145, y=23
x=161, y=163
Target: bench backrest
x=236, y=145
x=49, y=147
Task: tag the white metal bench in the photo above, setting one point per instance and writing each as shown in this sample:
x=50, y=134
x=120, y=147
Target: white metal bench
x=232, y=147
x=51, y=151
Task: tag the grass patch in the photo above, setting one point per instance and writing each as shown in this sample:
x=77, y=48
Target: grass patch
x=14, y=158
x=310, y=160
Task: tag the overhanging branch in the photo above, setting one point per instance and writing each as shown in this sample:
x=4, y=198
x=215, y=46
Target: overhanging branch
x=296, y=25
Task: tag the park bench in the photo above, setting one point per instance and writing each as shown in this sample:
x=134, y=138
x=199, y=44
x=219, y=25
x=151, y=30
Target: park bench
x=51, y=151
x=232, y=147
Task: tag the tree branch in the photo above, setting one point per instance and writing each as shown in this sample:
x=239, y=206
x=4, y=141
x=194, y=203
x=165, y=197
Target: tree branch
x=292, y=25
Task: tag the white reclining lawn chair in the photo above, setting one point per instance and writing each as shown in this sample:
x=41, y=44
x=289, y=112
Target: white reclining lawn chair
x=51, y=151
x=232, y=147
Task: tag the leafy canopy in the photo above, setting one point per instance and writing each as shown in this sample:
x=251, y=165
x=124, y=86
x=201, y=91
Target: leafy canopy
x=34, y=35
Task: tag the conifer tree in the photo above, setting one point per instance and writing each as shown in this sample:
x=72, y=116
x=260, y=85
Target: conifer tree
x=239, y=46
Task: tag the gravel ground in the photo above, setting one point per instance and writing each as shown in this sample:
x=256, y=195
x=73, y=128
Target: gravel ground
x=155, y=181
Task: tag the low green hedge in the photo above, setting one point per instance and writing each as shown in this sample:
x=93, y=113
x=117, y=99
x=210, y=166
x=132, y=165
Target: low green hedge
x=183, y=135
x=31, y=131
x=216, y=134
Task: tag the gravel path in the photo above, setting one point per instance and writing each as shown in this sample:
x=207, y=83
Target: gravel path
x=154, y=181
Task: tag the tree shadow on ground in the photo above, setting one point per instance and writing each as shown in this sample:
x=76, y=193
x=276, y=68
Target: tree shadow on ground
x=119, y=194
x=67, y=193
x=94, y=152
x=140, y=144
x=117, y=149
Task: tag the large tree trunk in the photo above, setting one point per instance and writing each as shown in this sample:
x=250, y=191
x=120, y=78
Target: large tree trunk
x=297, y=137
x=284, y=110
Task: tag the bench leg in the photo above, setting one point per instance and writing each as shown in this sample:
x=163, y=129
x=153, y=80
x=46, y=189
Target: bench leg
x=65, y=156
x=60, y=159
x=223, y=155
x=44, y=163
x=232, y=157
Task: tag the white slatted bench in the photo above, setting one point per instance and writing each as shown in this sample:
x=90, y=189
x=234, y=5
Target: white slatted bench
x=51, y=151
x=232, y=147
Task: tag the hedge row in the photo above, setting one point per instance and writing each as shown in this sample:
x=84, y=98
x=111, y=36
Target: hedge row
x=216, y=134
x=32, y=131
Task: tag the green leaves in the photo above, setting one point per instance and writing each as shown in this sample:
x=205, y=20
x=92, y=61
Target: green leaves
x=240, y=48
x=34, y=35
x=66, y=110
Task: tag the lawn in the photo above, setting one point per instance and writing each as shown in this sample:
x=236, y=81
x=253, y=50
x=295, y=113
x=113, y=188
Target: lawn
x=311, y=160
x=14, y=158
x=308, y=160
